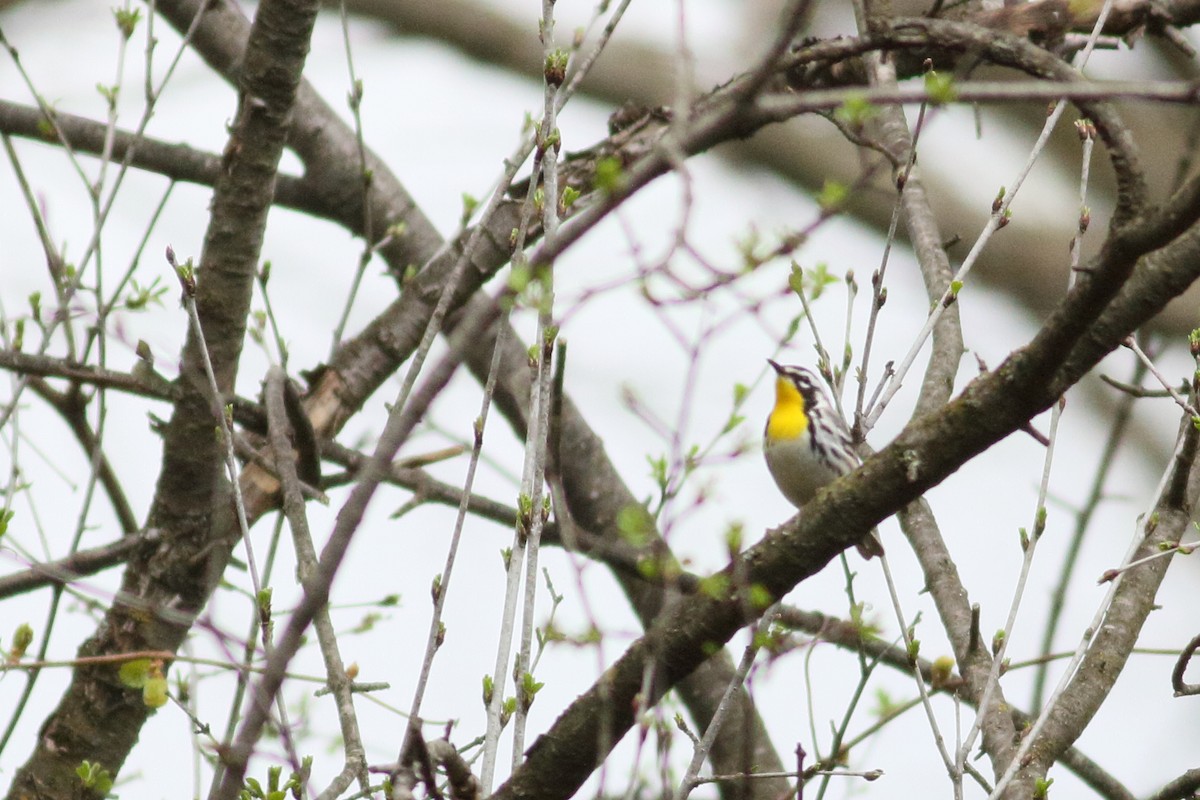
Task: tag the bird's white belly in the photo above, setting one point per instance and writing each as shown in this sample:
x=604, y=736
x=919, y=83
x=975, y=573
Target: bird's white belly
x=796, y=470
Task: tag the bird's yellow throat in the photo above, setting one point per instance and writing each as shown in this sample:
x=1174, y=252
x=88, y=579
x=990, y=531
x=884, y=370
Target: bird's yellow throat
x=788, y=419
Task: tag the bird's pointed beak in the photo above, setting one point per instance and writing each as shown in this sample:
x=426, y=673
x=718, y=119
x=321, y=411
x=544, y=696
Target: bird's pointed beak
x=775, y=366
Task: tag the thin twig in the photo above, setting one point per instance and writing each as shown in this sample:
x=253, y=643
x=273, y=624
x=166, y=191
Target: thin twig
x=306, y=558
x=1120, y=424
x=700, y=751
x=79, y=564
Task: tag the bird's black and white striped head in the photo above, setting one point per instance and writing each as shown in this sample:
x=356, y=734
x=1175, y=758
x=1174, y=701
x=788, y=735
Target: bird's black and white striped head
x=805, y=382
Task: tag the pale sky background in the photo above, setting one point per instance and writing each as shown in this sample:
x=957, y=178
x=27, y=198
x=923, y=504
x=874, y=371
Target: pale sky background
x=444, y=123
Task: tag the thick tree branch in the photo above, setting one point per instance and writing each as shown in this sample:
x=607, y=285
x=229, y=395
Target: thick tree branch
x=179, y=162
x=1181, y=788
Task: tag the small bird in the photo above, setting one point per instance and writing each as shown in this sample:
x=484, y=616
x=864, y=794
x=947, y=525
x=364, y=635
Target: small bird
x=806, y=444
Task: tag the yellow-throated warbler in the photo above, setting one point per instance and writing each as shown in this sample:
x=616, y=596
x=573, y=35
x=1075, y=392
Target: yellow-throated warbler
x=806, y=443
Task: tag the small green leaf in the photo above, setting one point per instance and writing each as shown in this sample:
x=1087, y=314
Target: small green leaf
x=355, y=95
x=135, y=673
x=140, y=297
x=998, y=200
x=555, y=69
x=127, y=20
x=715, y=586
x=752, y=250
x=885, y=705
x=940, y=88
x=154, y=693
x=610, y=175
x=94, y=777
x=635, y=524
x=942, y=672
x=734, y=536
x=649, y=568
x=833, y=196
x=658, y=470
x=264, y=602
x=528, y=690
x=811, y=282
x=855, y=111
x=569, y=196
x=469, y=204
x=507, y=710
x=760, y=596
x=22, y=638
x=109, y=93
x=796, y=279
x=519, y=277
